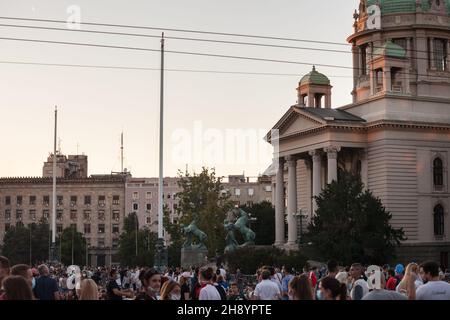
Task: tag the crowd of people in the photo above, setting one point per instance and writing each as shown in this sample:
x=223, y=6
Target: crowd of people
x=356, y=282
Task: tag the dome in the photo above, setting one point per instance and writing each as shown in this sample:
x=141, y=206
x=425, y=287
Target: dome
x=316, y=78
x=390, y=49
x=404, y=6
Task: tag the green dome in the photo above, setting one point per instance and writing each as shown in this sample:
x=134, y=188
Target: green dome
x=315, y=77
x=390, y=49
x=403, y=6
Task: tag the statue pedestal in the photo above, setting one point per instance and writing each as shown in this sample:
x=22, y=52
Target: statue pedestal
x=193, y=257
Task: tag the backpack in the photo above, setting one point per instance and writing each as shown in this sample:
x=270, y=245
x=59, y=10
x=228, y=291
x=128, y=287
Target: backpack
x=223, y=294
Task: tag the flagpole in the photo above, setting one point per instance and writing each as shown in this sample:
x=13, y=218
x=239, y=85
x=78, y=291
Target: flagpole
x=53, y=228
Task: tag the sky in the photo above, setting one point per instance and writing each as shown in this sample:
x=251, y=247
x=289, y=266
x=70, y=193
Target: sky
x=210, y=119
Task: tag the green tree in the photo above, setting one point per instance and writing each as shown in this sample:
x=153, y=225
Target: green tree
x=351, y=225
x=264, y=225
x=72, y=247
x=202, y=194
x=17, y=242
x=136, y=245
x=173, y=228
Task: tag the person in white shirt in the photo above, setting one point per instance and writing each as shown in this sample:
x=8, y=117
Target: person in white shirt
x=266, y=289
x=359, y=286
x=433, y=289
x=208, y=291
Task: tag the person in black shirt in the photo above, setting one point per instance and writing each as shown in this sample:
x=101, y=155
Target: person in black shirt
x=113, y=290
x=46, y=288
x=185, y=290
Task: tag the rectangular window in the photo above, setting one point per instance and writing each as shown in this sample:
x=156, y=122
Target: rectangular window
x=115, y=244
x=8, y=214
x=115, y=228
x=237, y=192
x=87, y=228
x=149, y=207
x=87, y=200
x=402, y=42
x=59, y=228
x=73, y=214
x=101, y=201
x=33, y=215
x=101, y=228
x=46, y=201
x=135, y=206
x=251, y=192
x=101, y=215
x=32, y=200
x=101, y=243
x=73, y=201
x=135, y=195
x=59, y=214
x=364, y=63
x=168, y=196
x=59, y=200
x=116, y=215
x=148, y=195
x=19, y=200
x=88, y=240
x=7, y=200
x=440, y=54
x=19, y=214
x=149, y=220
x=116, y=200
x=46, y=214
x=87, y=215
x=268, y=188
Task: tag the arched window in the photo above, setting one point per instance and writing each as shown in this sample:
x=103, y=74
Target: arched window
x=438, y=218
x=438, y=173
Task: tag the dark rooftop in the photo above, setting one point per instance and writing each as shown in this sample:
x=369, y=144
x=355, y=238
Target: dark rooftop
x=332, y=114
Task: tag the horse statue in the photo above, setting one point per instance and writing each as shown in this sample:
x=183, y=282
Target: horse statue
x=241, y=226
x=192, y=231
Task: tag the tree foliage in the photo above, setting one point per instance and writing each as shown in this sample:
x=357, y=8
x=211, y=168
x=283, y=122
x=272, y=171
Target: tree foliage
x=351, y=225
x=264, y=225
x=70, y=241
x=142, y=254
x=202, y=195
x=16, y=244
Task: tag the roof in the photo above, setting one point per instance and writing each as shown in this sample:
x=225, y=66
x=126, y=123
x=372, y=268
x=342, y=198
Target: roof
x=315, y=77
x=390, y=49
x=332, y=114
x=403, y=6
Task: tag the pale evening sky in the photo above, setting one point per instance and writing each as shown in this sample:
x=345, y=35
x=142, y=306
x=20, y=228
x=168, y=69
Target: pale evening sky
x=202, y=110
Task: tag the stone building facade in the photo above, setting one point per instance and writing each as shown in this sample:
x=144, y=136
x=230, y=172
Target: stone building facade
x=395, y=134
x=96, y=206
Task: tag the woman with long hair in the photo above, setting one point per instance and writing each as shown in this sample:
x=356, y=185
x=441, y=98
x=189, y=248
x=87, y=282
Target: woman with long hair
x=410, y=281
x=17, y=288
x=151, y=285
x=332, y=289
x=300, y=288
x=89, y=290
x=185, y=290
x=171, y=290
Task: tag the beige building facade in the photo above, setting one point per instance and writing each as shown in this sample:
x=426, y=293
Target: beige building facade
x=395, y=134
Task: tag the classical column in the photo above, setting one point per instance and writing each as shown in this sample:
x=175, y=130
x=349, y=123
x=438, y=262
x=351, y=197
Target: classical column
x=279, y=205
x=332, y=152
x=311, y=100
x=292, y=200
x=364, y=167
x=387, y=83
x=317, y=175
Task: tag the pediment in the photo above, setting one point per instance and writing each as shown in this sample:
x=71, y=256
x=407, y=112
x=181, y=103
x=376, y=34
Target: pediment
x=298, y=122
